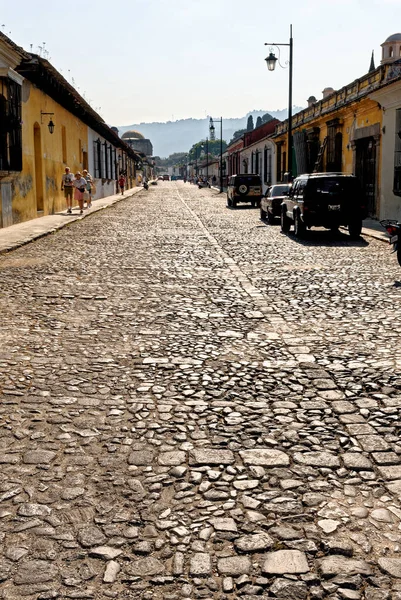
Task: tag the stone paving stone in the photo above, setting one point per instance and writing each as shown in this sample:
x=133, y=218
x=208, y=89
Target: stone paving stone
x=254, y=542
x=340, y=565
x=265, y=458
x=35, y=571
x=393, y=472
x=285, y=562
x=357, y=461
x=200, y=564
x=317, y=459
x=209, y=456
x=187, y=392
x=173, y=458
x=234, y=565
x=373, y=443
x=144, y=567
x=141, y=458
x=391, y=566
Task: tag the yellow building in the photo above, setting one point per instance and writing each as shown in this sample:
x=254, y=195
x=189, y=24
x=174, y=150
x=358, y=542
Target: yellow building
x=45, y=125
x=342, y=132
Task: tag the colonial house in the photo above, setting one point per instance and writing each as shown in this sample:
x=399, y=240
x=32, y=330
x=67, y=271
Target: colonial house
x=389, y=98
x=254, y=152
x=349, y=131
x=45, y=125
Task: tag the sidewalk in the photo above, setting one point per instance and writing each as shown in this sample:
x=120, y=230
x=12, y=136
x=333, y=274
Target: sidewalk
x=18, y=235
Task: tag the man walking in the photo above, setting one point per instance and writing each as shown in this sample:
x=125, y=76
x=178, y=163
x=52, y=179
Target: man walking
x=67, y=186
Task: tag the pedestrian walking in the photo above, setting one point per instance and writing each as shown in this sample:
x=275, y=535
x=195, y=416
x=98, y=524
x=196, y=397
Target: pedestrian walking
x=89, y=184
x=121, y=183
x=67, y=186
x=79, y=184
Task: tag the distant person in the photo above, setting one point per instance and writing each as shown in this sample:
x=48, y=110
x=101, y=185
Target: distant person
x=214, y=179
x=79, y=184
x=121, y=183
x=67, y=185
x=89, y=184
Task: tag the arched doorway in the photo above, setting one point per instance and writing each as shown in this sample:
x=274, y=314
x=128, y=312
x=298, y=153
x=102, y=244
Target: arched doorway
x=38, y=168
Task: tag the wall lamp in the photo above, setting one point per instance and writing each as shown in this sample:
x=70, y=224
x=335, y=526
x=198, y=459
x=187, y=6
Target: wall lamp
x=50, y=123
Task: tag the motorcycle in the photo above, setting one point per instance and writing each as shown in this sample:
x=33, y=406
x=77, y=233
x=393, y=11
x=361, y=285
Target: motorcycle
x=393, y=228
x=146, y=185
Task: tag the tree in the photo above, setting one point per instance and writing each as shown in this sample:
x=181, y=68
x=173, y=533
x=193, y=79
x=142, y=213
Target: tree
x=200, y=147
x=258, y=122
x=266, y=118
x=237, y=134
x=249, y=125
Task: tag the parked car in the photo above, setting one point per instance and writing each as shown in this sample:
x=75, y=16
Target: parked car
x=270, y=205
x=244, y=188
x=160, y=178
x=324, y=200
x=166, y=177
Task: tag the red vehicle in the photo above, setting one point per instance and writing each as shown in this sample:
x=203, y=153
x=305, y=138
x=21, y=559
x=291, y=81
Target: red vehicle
x=166, y=177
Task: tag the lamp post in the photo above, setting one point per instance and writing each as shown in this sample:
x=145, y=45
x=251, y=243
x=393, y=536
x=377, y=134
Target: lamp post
x=212, y=130
x=207, y=160
x=271, y=65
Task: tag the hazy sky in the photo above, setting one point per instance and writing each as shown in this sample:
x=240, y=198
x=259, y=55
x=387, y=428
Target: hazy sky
x=161, y=60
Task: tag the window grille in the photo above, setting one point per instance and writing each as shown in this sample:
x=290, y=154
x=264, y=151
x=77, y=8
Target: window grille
x=10, y=125
x=97, y=158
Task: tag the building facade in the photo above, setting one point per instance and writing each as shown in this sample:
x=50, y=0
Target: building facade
x=45, y=125
x=353, y=130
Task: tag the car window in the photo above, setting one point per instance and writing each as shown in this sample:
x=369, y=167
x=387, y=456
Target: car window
x=247, y=180
x=294, y=189
x=301, y=188
x=280, y=190
x=334, y=186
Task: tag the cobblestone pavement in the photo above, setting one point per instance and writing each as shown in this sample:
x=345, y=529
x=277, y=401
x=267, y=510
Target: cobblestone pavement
x=196, y=406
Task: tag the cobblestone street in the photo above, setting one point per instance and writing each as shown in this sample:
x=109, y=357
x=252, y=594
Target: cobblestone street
x=194, y=405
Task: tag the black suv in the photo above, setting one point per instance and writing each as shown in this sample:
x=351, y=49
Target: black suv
x=244, y=188
x=324, y=200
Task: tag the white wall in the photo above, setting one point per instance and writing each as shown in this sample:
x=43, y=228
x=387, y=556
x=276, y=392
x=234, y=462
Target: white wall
x=246, y=154
x=108, y=188
x=390, y=100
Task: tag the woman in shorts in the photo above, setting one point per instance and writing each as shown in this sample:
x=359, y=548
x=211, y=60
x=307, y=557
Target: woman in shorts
x=79, y=184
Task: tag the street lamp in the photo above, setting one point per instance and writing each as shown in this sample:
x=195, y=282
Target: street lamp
x=207, y=160
x=212, y=130
x=271, y=65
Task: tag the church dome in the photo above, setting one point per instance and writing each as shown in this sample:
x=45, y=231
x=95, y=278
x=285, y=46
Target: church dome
x=132, y=135
x=396, y=37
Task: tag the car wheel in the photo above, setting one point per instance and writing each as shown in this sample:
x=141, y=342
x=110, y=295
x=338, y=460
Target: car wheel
x=262, y=214
x=285, y=221
x=243, y=189
x=355, y=228
x=234, y=203
x=299, y=225
x=228, y=202
x=253, y=203
x=270, y=218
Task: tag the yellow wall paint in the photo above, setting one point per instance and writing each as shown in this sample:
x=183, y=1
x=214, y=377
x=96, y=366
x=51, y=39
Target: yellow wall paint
x=353, y=116
x=76, y=138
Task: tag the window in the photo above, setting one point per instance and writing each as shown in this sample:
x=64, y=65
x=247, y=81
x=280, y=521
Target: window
x=97, y=158
x=334, y=147
x=106, y=161
x=397, y=154
x=278, y=163
x=10, y=125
